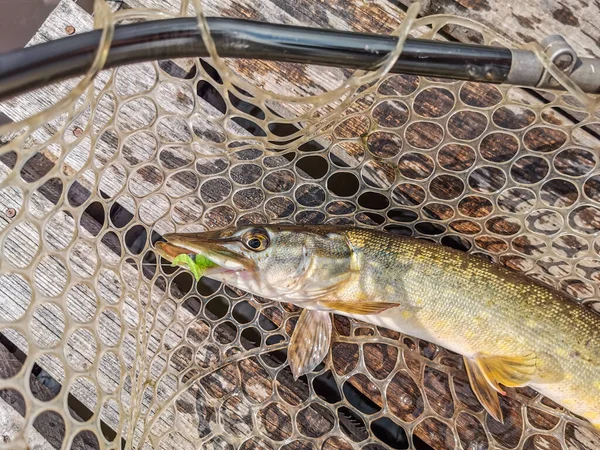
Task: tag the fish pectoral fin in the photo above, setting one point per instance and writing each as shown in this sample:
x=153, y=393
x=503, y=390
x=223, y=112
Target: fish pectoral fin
x=310, y=341
x=360, y=308
x=484, y=391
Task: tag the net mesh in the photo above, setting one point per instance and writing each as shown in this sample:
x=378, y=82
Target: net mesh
x=110, y=346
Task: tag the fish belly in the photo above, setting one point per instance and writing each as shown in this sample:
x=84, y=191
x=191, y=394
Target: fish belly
x=581, y=396
x=582, y=399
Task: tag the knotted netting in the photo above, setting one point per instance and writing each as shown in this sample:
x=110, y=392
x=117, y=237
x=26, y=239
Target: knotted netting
x=110, y=347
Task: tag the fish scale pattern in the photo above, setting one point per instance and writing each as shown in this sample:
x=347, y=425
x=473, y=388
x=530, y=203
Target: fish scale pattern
x=112, y=346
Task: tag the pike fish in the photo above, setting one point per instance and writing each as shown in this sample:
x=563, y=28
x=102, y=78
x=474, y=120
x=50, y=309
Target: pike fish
x=512, y=331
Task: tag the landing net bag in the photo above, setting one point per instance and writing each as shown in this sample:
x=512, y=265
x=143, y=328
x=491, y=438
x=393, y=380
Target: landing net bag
x=107, y=347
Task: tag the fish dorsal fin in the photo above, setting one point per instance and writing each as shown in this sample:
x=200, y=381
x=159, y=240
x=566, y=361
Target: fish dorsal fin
x=359, y=308
x=310, y=341
x=487, y=373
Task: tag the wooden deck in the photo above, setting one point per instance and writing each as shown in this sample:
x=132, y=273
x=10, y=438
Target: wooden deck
x=524, y=21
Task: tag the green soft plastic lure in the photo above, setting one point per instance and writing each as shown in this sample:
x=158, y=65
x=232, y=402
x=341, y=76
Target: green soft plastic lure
x=197, y=266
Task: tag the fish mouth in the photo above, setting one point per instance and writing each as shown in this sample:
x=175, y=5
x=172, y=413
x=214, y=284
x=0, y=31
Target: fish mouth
x=212, y=245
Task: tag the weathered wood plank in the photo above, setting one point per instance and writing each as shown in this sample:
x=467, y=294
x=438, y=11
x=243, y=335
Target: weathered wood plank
x=293, y=79
x=275, y=85
x=529, y=20
x=50, y=331
x=12, y=423
x=46, y=433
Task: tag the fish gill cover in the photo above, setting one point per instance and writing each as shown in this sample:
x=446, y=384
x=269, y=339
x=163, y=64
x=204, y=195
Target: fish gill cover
x=118, y=348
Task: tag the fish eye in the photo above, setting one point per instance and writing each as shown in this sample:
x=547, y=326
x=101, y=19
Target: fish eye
x=256, y=240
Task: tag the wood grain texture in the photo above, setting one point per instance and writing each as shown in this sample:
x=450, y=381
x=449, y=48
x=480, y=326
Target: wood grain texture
x=286, y=79
x=529, y=20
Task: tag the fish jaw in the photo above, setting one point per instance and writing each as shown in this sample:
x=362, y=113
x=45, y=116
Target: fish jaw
x=237, y=265
x=217, y=249
x=228, y=264
x=298, y=265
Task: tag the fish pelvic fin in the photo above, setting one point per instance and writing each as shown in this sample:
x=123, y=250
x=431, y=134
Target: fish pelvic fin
x=488, y=373
x=484, y=391
x=310, y=341
x=511, y=371
x=359, y=308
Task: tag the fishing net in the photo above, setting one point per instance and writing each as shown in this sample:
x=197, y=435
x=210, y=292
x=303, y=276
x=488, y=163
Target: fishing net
x=105, y=346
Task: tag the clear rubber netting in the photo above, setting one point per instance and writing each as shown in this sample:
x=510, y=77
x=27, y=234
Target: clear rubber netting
x=110, y=347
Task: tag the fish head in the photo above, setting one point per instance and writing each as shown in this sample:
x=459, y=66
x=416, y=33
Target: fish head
x=280, y=262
